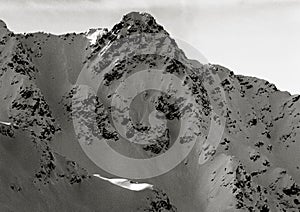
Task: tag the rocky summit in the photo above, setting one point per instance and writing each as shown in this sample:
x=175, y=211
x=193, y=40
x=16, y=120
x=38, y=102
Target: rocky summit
x=64, y=96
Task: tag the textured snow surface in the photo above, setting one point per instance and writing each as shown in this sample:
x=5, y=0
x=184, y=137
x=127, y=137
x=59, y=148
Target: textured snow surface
x=254, y=167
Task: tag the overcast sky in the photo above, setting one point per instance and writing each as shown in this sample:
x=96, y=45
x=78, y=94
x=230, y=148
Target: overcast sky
x=256, y=37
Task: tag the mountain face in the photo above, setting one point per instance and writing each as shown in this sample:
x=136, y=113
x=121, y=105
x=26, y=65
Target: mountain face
x=68, y=100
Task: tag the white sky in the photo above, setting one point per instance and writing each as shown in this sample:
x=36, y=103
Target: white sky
x=256, y=37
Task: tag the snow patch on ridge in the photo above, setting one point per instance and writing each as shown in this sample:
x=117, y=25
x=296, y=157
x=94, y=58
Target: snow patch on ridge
x=93, y=34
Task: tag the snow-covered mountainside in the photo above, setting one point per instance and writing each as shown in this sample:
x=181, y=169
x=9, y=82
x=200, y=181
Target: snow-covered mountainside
x=52, y=106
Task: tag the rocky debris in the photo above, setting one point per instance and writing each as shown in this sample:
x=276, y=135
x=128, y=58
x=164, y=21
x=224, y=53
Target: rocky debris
x=83, y=106
x=29, y=111
x=161, y=202
x=7, y=129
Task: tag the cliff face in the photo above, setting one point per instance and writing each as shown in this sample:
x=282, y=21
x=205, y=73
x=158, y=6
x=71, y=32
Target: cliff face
x=61, y=99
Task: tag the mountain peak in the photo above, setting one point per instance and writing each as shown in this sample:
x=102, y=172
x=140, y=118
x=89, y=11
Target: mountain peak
x=133, y=23
x=139, y=17
x=136, y=22
x=81, y=123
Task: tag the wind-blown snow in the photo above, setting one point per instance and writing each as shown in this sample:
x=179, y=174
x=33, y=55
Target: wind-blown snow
x=6, y=123
x=125, y=183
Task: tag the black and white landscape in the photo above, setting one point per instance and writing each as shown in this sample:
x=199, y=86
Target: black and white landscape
x=245, y=157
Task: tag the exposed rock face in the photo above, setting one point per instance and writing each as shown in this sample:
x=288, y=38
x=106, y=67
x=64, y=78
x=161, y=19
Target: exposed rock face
x=254, y=167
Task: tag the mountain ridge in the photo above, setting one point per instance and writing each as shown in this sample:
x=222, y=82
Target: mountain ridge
x=250, y=169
